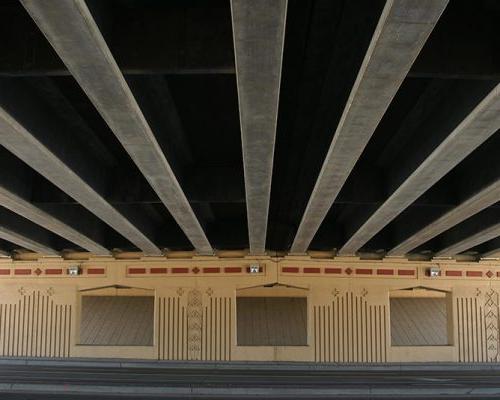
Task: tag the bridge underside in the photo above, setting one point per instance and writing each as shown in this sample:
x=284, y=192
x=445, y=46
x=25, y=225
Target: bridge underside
x=355, y=127
x=250, y=180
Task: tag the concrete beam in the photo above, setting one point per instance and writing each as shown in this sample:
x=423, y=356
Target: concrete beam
x=485, y=198
x=402, y=31
x=23, y=233
x=35, y=135
x=259, y=34
x=73, y=33
x=477, y=127
x=34, y=214
x=486, y=234
x=495, y=253
x=25, y=242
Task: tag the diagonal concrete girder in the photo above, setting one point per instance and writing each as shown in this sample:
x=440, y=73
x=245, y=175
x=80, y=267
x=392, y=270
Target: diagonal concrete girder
x=495, y=253
x=485, y=198
x=489, y=233
x=402, y=31
x=34, y=134
x=477, y=127
x=25, y=242
x=259, y=34
x=18, y=205
x=22, y=232
x=73, y=33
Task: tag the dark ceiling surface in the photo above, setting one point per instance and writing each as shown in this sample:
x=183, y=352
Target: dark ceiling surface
x=178, y=59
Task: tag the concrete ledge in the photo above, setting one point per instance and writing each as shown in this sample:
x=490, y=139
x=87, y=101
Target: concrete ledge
x=243, y=365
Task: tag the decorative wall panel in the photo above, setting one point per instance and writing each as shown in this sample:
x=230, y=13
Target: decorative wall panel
x=198, y=328
x=35, y=326
x=472, y=330
x=349, y=329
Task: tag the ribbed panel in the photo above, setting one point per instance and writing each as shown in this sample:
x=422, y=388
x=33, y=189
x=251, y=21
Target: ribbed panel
x=180, y=335
x=471, y=330
x=35, y=327
x=171, y=316
x=350, y=330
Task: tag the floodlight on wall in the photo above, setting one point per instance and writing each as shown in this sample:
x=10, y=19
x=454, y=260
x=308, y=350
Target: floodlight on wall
x=254, y=269
x=433, y=272
x=74, y=270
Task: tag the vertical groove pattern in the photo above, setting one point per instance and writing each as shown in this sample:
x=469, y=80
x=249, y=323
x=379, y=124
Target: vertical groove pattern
x=35, y=327
x=350, y=330
x=471, y=330
x=175, y=340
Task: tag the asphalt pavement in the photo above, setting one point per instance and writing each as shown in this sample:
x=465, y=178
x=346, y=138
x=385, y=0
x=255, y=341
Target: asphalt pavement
x=111, y=379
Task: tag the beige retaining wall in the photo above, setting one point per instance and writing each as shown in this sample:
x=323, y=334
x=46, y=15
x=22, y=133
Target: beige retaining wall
x=348, y=307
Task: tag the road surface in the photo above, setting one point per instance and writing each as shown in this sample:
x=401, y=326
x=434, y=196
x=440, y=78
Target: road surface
x=101, y=379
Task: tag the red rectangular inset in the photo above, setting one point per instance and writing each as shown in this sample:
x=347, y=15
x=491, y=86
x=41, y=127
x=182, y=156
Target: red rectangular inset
x=474, y=273
x=211, y=270
x=158, y=270
x=53, y=271
x=453, y=273
x=180, y=270
x=385, y=272
x=22, y=272
x=137, y=271
x=231, y=270
x=333, y=270
x=95, y=271
x=4, y=271
x=311, y=270
x=364, y=271
x=290, y=269
x=406, y=272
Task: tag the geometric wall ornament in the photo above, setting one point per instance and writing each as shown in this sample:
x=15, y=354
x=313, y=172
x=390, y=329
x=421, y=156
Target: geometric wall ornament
x=491, y=314
x=194, y=324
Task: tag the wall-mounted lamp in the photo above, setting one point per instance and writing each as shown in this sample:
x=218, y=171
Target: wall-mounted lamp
x=433, y=272
x=254, y=268
x=74, y=270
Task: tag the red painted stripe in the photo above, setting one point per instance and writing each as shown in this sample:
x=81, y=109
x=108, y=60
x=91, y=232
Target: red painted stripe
x=385, y=272
x=180, y=270
x=311, y=270
x=498, y=274
x=474, y=273
x=231, y=270
x=95, y=271
x=22, y=272
x=158, y=270
x=333, y=270
x=137, y=270
x=453, y=273
x=55, y=271
x=211, y=270
x=290, y=269
x=406, y=272
x=364, y=271
x=4, y=271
